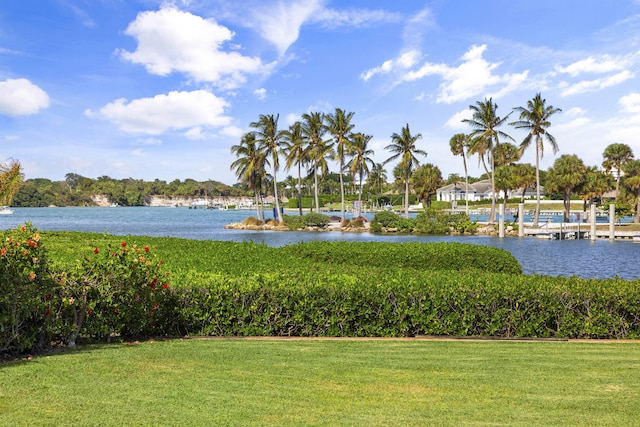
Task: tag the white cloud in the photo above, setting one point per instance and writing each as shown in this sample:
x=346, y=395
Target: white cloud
x=604, y=64
x=630, y=103
x=471, y=78
x=20, y=97
x=405, y=61
x=261, y=93
x=138, y=153
x=575, y=111
x=332, y=18
x=232, y=131
x=597, y=84
x=150, y=141
x=455, y=122
x=196, y=133
x=171, y=40
x=176, y=110
x=573, y=125
x=280, y=24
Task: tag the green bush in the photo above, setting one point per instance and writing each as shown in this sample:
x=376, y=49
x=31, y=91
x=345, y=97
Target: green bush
x=386, y=219
x=314, y=219
x=27, y=292
x=294, y=222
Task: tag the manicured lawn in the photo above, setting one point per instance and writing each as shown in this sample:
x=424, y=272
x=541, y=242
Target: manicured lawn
x=327, y=382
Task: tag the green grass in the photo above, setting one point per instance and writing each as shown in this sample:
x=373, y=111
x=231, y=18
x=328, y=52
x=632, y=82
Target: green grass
x=327, y=382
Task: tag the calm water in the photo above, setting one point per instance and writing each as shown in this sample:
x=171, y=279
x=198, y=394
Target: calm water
x=599, y=259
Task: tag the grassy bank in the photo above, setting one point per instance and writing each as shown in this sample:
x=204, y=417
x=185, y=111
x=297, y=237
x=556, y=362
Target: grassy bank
x=334, y=382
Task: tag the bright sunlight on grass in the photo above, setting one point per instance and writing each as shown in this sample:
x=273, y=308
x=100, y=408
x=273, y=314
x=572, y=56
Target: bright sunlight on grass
x=326, y=382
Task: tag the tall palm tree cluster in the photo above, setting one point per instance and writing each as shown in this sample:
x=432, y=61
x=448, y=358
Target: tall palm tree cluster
x=309, y=144
x=318, y=138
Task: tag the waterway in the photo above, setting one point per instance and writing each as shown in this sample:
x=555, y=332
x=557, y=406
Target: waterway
x=585, y=258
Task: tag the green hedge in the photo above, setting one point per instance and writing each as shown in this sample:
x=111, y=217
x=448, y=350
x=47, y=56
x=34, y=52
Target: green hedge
x=434, y=303
x=428, y=256
x=309, y=289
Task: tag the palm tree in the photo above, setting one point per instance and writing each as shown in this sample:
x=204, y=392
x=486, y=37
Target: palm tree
x=535, y=119
x=339, y=125
x=250, y=166
x=377, y=179
x=615, y=157
x=485, y=123
x=458, y=143
x=269, y=140
x=524, y=177
x=403, y=145
x=565, y=176
x=426, y=180
x=11, y=179
x=296, y=154
x=595, y=184
x=317, y=148
x=360, y=160
x=631, y=181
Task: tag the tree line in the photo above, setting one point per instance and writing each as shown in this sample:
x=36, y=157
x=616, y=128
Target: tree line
x=76, y=190
x=308, y=145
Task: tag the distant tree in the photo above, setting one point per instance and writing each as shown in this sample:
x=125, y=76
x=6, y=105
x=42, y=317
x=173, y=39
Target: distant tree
x=615, y=157
x=249, y=166
x=595, y=184
x=313, y=130
x=524, y=176
x=506, y=154
x=458, y=144
x=426, y=180
x=377, y=179
x=535, y=119
x=295, y=149
x=565, y=176
x=485, y=123
x=631, y=181
x=269, y=140
x=339, y=125
x=403, y=147
x=11, y=179
x=361, y=161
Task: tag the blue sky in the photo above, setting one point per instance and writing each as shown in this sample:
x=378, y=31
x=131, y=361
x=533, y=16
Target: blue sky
x=162, y=89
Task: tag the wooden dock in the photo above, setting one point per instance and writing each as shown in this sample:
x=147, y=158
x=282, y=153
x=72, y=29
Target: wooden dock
x=567, y=231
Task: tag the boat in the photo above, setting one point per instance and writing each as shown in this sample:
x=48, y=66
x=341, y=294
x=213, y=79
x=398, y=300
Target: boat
x=5, y=210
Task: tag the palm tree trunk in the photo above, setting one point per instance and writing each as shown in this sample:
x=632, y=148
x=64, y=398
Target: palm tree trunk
x=406, y=197
x=275, y=188
x=536, y=216
x=257, y=205
x=567, y=206
x=341, y=189
x=299, y=190
x=492, y=215
x=360, y=196
x=466, y=181
x=315, y=177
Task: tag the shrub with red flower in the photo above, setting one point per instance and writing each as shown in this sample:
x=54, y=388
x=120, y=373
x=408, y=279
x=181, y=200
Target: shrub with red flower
x=26, y=289
x=118, y=286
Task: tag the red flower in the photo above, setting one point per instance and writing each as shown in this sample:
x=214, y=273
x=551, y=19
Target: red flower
x=3, y=251
x=95, y=251
x=146, y=248
x=47, y=312
x=89, y=311
x=116, y=311
x=124, y=244
x=47, y=297
x=165, y=286
x=156, y=304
